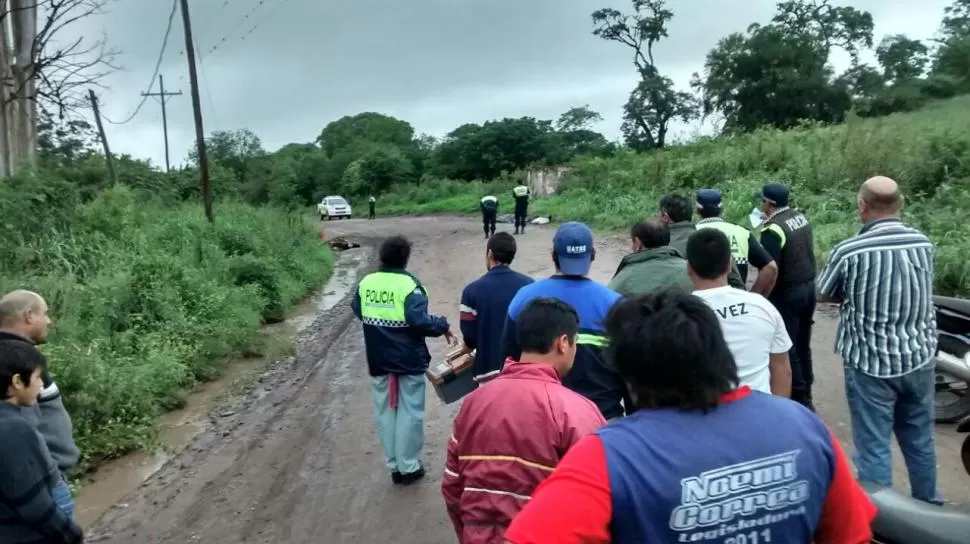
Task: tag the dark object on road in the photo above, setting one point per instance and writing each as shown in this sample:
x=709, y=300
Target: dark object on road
x=904, y=520
x=453, y=377
x=952, y=359
x=341, y=244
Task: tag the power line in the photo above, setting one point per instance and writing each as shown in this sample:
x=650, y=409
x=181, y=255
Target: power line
x=251, y=30
x=238, y=25
x=158, y=66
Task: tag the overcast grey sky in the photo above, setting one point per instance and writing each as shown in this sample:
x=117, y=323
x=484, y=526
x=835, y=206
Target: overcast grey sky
x=435, y=63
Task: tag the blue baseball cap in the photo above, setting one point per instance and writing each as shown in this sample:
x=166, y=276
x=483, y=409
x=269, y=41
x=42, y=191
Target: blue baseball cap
x=776, y=193
x=709, y=198
x=573, y=246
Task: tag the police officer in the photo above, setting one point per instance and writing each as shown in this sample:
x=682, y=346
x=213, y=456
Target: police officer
x=787, y=236
x=371, y=204
x=489, y=205
x=393, y=307
x=745, y=248
x=521, y=194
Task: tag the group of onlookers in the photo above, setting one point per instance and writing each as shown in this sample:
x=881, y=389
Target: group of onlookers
x=659, y=407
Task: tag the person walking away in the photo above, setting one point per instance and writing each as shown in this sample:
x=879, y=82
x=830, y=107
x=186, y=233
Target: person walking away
x=745, y=248
x=393, y=307
x=489, y=206
x=699, y=454
x=653, y=263
x=24, y=319
x=753, y=329
x=676, y=213
x=511, y=433
x=28, y=509
x=883, y=279
x=787, y=236
x=485, y=303
x=573, y=254
x=521, y=195
x=371, y=204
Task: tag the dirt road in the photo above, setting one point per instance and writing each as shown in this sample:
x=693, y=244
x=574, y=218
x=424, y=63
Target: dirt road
x=299, y=461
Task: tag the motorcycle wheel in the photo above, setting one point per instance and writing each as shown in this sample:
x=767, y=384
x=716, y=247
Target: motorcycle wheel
x=952, y=401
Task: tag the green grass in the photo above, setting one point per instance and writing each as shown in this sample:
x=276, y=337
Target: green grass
x=927, y=152
x=148, y=299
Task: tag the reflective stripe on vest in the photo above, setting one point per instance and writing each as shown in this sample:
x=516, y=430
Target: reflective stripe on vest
x=382, y=296
x=489, y=198
x=521, y=190
x=736, y=234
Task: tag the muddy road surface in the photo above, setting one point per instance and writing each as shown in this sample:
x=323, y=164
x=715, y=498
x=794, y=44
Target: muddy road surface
x=299, y=462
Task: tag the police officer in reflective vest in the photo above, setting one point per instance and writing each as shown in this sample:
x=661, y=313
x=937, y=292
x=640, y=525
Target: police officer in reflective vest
x=521, y=194
x=787, y=236
x=745, y=248
x=489, y=205
x=393, y=306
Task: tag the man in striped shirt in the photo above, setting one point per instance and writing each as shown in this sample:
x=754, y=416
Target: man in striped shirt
x=883, y=278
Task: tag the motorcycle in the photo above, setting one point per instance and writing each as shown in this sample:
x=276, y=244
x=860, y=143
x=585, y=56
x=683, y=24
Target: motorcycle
x=905, y=520
x=952, y=359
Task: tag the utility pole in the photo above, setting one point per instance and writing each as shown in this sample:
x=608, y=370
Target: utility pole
x=104, y=139
x=163, y=98
x=197, y=110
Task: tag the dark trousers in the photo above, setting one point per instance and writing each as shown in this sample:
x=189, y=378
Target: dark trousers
x=488, y=221
x=520, y=214
x=372, y=214
x=796, y=304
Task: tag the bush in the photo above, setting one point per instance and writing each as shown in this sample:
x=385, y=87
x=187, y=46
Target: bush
x=148, y=299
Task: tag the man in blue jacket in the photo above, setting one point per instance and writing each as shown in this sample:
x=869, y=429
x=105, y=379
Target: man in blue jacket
x=485, y=304
x=573, y=254
x=393, y=306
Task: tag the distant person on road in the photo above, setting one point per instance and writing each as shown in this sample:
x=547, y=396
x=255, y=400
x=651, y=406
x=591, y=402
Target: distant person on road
x=485, y=304
x=393, y=306
x=676, y=211
x=371, y=204
x=28, y=509
x=745, y=248
x=521, y=195
x=787, y=236
x=489, y=206
x=24, y=319
x=699, y=459
x=752, y=326
x=511, y=433
x=653, y=263
x=573, y=254
x=883, y=279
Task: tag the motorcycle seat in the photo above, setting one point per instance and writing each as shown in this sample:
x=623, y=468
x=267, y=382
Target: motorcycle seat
x=904, y=519
x=956, y=305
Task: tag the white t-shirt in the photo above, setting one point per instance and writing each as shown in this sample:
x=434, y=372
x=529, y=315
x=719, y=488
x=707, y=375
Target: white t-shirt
x=753, y=329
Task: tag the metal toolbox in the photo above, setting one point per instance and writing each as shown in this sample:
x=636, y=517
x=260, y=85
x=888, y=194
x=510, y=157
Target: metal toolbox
x=452, y=378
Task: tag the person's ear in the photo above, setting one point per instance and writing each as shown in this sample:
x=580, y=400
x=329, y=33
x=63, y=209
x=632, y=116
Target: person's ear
x=17, y=383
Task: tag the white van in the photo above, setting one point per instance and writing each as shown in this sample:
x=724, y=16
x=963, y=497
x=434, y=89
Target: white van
x=334, y=206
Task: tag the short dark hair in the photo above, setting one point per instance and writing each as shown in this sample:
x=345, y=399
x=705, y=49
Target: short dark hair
x=668, y=347
x=709, y=211
x=677, y=207
x=542, y=321
x=709, y=253
x=395, y=252
x=18, y=358
x=503, y=247
x=651, y=233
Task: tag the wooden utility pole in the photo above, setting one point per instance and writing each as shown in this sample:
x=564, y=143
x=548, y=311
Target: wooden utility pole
x=104, y=139
x=197, y=109
x=163, y=98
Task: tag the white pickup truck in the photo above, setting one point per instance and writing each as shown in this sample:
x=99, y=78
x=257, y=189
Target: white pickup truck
x=334, y=206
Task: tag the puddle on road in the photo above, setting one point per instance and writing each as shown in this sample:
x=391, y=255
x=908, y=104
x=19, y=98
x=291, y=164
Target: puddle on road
x=113, y=480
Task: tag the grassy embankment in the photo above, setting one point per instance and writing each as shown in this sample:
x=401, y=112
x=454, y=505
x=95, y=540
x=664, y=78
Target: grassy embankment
x=927, y=151
x=148, y=298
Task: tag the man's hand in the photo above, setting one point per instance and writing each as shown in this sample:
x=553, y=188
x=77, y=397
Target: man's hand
x=451, y=338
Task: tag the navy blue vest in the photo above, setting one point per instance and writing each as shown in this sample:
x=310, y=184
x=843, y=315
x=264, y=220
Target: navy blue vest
x=752, y=471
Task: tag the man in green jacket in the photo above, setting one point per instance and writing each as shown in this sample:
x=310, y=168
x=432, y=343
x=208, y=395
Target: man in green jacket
x=676, y=211
x=654, y=264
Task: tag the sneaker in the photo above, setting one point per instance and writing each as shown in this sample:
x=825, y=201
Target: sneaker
x=396, y=477
x=412, y=477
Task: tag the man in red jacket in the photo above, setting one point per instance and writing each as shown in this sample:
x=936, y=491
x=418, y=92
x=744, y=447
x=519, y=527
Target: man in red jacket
x=511, y=433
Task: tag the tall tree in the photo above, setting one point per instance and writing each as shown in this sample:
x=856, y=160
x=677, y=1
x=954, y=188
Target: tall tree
x=951, y=63
x=902, y=59
x=577, y=118
x=370, y=127
x=654, y=103
x=828, y=26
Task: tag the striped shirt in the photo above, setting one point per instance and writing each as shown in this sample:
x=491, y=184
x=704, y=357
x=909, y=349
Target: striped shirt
x=884, y=277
